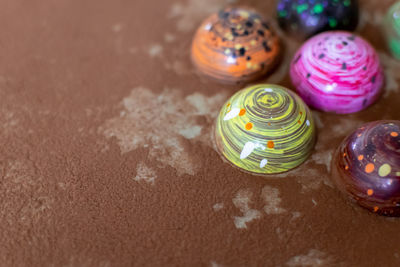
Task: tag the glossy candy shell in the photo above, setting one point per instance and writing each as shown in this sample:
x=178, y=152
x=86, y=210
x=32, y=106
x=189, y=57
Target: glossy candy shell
x=265, y=129
x=235, y=45
x=366, y=167
x=392, y=29
x=337, y=72
x=304, y=18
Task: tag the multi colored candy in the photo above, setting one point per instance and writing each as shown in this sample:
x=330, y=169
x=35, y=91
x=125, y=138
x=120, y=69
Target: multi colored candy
x=265, y=129
x=366, y=167
x=337, y=72
x=304, y=18
x=392, y=29
x=235, y=45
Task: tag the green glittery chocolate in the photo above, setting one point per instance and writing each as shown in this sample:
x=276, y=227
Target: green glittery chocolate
x=392, y=29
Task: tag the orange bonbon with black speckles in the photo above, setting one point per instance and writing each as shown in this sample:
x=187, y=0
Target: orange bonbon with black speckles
x=235, y=45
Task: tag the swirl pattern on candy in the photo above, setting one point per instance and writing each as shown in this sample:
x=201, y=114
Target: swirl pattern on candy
x=305, y=18
x=366, y=167
x=392, y=29
x=265, y=129
x=235, y=45
x=337, y=72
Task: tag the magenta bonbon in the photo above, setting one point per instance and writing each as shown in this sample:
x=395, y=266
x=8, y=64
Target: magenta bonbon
x=337, y=72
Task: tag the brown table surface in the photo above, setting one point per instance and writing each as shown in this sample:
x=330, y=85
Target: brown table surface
x=106, y=155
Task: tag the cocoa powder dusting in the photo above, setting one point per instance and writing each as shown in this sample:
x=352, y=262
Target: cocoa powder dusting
x=107, y=158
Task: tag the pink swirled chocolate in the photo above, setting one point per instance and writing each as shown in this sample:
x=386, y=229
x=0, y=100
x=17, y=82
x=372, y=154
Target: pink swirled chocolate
x=337, y=72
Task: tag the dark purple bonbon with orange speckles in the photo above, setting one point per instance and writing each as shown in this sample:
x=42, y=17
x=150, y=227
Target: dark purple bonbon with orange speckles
x=366, y=167
x=304, y=18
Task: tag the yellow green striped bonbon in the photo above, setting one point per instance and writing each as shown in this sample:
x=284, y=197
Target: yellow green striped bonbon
x=265, y=129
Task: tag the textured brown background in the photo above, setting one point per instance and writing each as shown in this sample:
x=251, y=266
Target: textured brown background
x=106, y=157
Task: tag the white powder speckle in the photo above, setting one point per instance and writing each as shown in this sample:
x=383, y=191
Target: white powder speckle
x=296, y=215
x=169, y=37
x=242, y=201
x=117, y=27
x=272, y=200
x=191, y=132
x=145, y=173
x=323, y=157
x=312, y=258
x=218, y=206
x=155, y=50
x=178, y=67
x=308, y=178
x=161, y=122
x=214, y=264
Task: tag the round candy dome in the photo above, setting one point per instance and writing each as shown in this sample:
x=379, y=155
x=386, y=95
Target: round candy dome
x=392, y=29
x=304, y=18
x=265, y=129
x=337, y=72
x=366, y=167
x=235, y=45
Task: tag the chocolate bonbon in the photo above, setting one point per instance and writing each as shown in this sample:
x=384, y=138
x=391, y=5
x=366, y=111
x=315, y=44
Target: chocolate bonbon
x=366, y=167
x=304, y=18
x=265, y=129
x=337, y=72
x=235, y=45
x=392, y=29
